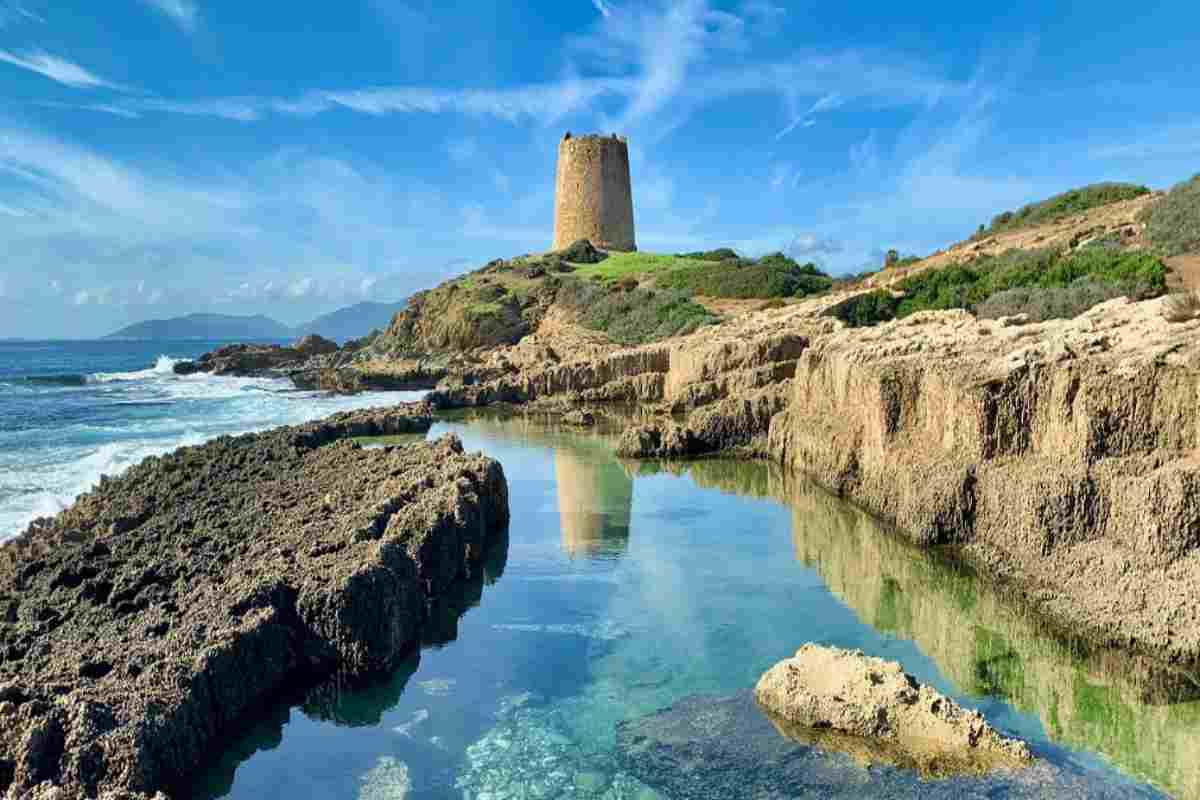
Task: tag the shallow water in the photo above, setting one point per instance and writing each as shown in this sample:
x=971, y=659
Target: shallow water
x=627, y=590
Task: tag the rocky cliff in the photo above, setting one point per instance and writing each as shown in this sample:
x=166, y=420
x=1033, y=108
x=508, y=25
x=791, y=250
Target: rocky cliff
x=143, y=623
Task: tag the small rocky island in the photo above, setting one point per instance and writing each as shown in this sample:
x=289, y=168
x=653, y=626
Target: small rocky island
x=146, y=622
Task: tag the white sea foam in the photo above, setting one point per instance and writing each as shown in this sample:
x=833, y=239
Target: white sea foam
x=43, y=471
x=163, y=367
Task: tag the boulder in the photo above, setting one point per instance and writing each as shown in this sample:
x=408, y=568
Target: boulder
x=314, y=345
x=706, y=747
x=846, y=692
x=582, y=252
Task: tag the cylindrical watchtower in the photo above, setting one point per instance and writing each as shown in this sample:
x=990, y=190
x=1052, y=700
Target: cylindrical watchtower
x=593, y=196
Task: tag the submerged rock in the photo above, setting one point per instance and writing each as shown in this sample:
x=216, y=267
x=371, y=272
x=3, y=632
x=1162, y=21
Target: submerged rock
x=726, y=748
x=911, y=725
x=146, y=622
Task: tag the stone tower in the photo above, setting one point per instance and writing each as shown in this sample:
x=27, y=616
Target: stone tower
x=593, y=196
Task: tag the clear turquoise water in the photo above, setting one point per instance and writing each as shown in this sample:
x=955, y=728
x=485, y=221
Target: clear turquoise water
x=624, y=590
x=627, y=588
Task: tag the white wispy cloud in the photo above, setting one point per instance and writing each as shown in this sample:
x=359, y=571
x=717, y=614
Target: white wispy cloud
x=1168, y=142
x=182, y=12
x=57, y=69
x=643, y=68
x=13, y=11
x=291, y=231
x=602, y=7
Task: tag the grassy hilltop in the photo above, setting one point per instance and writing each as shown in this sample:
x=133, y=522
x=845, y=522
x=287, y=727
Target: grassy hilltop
x=1047, y=260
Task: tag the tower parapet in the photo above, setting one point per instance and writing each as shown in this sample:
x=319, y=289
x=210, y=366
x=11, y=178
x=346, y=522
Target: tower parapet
x=593, y=194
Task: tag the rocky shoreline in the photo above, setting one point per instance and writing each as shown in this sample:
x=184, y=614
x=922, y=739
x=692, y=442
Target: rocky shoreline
x=144, y=623
x=1058, y=457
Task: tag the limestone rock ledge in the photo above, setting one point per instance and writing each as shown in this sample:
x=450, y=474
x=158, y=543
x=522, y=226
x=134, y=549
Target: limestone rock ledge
x=141, y=625
x=916, y=727
x=1061, y=457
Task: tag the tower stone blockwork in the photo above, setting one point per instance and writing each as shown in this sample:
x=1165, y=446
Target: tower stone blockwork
x=593, y=195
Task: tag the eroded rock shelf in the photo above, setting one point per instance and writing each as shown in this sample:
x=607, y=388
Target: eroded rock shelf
x=146, y=621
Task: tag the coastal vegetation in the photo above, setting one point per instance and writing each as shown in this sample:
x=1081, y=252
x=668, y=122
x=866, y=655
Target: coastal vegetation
x=1063, y=205
x=1044, y=284
x=1173, y=223
x=720, y=273
x=633, y=316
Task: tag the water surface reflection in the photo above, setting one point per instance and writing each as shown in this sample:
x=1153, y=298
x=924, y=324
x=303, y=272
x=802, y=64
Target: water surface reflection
x=634, y=593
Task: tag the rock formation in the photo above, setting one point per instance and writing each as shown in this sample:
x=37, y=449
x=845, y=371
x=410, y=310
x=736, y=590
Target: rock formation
x=144, y=622
x=726, y=748
x=827, y=688
x=1055, y=455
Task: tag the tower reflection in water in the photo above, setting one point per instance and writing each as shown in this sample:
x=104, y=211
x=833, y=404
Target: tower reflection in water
x=595, y=498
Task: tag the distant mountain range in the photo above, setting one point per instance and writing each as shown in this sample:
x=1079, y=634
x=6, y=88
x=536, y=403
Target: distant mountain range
x=346, y=323
x=352, y=322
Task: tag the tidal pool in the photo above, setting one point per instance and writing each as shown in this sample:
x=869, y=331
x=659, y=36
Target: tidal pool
x=607, y=650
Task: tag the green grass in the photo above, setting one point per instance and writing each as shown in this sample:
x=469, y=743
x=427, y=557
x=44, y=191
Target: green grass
x=1090, y=273
x=1173, y=223
x=476, y=310
x=715, y=273
x=1063, y=205
x=773, y=276
x=633, y=265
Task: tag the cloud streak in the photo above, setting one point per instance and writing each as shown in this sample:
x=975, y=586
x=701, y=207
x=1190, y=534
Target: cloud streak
x=57, y=69
x=181, y=12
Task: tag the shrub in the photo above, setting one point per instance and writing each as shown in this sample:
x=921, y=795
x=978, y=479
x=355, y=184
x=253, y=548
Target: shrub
x=720, y=254
x=1173, y=223
x=1181, y=307
x=1046, y=284
x=1064, y=205
x=1040, y=304
x=868, y=309
x=635, y=316
x=771, y=276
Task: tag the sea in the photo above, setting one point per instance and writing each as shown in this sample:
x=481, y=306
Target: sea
x=71, y=411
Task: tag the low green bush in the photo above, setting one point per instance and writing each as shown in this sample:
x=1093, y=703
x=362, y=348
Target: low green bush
x=1040, y=304
x=1173, y=223
x=771, y=276
x=634, y=316
x=720, y=254
x=1063, y=205
x=1067, y=285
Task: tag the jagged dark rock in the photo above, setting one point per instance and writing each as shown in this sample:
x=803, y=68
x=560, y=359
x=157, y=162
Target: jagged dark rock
x=144, y=622
x=581, y=252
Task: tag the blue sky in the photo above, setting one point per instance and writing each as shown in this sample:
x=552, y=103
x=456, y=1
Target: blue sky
x=165, y=156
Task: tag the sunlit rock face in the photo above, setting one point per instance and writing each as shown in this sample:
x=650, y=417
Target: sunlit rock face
x=595, y=499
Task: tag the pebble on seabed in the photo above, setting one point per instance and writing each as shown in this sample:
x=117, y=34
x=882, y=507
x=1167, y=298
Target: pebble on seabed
x=387, y=780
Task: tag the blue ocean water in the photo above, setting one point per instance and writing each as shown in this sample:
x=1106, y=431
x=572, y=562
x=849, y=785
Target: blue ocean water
x=71, y=411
